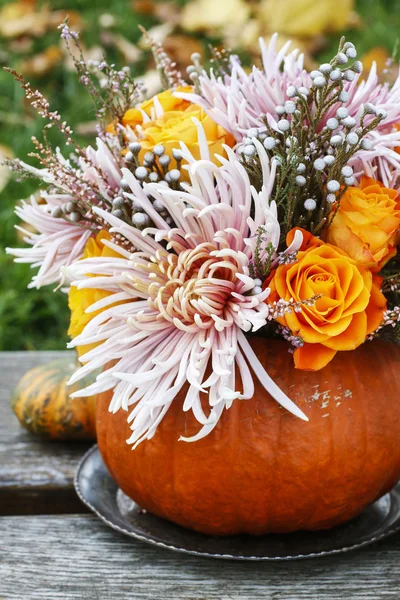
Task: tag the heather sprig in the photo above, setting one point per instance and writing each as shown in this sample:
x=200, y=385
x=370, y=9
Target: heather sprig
x=280, y=308
x=169, y=74
x=391, y=283
x=113, y=91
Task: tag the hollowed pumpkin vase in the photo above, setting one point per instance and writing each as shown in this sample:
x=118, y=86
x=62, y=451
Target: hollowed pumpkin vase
x=262, y=469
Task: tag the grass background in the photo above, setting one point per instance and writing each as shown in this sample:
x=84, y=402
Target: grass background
x=38, y=319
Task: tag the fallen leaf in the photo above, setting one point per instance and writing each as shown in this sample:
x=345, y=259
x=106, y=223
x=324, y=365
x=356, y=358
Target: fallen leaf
x=21, y=45
x=26, y=18
x=167, y=12
x=209, y=15
x=20, y=18
x=249, y=35
x=180, y=48
x=144, y=7
x=130, y=52
x=306, y=18
x=42, y=63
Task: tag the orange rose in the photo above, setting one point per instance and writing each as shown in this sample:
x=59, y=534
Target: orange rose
x=80, y=300
x=366, y=223
x=350, y=307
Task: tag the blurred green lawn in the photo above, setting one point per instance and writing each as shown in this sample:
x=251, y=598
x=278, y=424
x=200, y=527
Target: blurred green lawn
x=38, y=319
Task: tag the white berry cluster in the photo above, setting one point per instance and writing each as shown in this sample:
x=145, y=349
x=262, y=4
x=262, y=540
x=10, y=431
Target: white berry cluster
x=154, y=166
x=313, y=140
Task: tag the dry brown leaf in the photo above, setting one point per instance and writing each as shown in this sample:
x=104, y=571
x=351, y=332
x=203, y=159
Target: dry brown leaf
x=306, y=18
x=168, y=12
x=249, y=35
x=143, y=7
x=130, y=52
x=180, y=47
x=211, y=15
x=42, y=63
x=25, y=18
x=21, y=18
x=21, y=45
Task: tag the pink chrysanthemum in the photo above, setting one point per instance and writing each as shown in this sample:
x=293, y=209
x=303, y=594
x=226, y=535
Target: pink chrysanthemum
x=239, y=102
x=54, y=243
x=188, y=298
x=57, y=242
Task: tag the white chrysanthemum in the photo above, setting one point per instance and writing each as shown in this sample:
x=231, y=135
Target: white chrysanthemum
x=55, y=242
x=186, y=298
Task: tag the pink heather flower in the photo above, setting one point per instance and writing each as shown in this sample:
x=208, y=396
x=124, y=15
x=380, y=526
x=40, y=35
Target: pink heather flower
x=187, y=296
x=56, y=242
x=240, y=100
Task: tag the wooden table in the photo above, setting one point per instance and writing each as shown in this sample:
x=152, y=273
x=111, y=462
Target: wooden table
x=50, y=548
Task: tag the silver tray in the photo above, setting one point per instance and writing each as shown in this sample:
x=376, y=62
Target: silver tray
x=96, y=488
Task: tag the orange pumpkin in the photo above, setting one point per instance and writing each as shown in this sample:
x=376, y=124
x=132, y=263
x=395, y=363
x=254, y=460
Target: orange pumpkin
x=262, y=469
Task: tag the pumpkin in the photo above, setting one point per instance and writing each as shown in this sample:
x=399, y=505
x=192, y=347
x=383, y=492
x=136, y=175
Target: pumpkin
x=262, y=469
x=43, y=405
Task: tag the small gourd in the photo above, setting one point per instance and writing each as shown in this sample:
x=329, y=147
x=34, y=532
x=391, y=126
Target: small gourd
x=42, y=403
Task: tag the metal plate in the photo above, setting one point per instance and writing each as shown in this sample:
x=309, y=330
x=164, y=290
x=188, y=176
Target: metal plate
x=97, y=489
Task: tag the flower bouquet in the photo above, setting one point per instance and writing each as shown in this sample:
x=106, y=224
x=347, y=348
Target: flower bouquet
x=229, y=248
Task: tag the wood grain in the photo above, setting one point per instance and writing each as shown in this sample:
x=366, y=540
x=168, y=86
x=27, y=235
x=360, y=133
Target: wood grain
x=78, y=558
x=35, y=476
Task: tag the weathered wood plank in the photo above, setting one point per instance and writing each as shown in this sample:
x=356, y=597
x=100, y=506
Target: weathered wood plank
x=77, y=557
x=35, y=476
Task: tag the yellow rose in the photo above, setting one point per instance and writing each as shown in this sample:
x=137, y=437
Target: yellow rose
x=80, y=300
x=366, y=223
x=134, y=116
x=178, y=126
x=350, y=307
x=174, y=126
